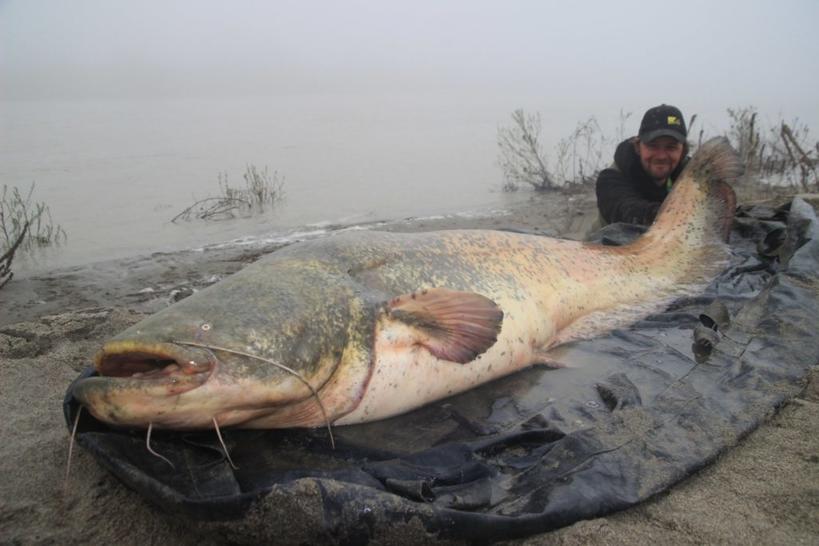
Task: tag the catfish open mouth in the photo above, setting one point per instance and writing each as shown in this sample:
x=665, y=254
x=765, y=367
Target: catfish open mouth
x=139, y=360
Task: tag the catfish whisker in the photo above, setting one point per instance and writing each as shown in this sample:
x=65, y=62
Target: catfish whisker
x=278, y=365
x=224, y=447
x=148, y=445
x=71, y=446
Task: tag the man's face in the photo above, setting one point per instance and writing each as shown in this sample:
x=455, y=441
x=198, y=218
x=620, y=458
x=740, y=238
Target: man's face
x=660, y=156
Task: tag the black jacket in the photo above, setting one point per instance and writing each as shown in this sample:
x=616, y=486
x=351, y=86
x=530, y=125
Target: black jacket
x=626, y=193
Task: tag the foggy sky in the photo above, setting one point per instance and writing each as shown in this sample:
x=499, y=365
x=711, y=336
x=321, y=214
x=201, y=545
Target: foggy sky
x=705, y=55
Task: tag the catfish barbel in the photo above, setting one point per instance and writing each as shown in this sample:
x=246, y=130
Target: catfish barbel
x=366, y=325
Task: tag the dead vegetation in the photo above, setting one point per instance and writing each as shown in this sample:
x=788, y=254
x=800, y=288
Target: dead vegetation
x=24, y=224
x=779, y=158
x=262, y=190
x=5, y=260
x=578, y=158
x=521, y=153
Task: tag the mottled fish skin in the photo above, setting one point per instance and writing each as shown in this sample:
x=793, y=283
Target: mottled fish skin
x=381, y=323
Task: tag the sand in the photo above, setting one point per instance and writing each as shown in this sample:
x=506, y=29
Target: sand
x=765, y=490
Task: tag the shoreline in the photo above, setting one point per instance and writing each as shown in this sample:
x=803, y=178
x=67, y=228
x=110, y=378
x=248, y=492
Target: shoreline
x=146, y=282
x=763, y=490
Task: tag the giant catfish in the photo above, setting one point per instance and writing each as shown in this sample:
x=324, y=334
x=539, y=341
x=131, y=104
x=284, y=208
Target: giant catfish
x=366, y=325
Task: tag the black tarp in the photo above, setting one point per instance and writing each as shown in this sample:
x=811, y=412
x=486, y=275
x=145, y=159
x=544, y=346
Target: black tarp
x=638, y=410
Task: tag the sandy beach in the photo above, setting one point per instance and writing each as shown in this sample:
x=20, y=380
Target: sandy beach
x=765, y=490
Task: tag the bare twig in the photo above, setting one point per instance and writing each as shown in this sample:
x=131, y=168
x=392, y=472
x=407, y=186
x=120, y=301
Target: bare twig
x=5, y=260
x=782, y=155
x=580, y=155
x=260, y=189
x=521, y=156
x=806, y=164
x=211, y=207
x=17, y=210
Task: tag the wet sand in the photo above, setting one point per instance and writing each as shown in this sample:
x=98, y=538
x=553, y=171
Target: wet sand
x=765, y=490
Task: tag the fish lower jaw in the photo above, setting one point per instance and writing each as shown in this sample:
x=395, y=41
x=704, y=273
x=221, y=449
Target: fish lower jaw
x=139, y=410
x=139, y=402
x=158, y=422
x=192, y=418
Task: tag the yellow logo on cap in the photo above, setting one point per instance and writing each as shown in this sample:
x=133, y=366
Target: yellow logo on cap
x=673, y=120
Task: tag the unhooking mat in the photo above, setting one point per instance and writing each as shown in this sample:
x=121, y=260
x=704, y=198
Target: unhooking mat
x=640, y=409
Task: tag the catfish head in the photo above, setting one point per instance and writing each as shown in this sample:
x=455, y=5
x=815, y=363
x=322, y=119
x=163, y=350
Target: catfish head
x=267, y=338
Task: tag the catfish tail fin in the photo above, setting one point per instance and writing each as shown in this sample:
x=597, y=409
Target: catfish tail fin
x=700, y=207
x=686, y=244
x=680, y=254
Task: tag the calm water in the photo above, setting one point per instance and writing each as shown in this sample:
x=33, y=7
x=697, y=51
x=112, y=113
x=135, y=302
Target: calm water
x=115, y=172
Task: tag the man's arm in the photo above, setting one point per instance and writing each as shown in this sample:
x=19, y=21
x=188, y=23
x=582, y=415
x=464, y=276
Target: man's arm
x=619, y=201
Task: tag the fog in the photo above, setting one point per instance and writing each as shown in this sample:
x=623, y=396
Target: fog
x=583, y=58
x=124, y=112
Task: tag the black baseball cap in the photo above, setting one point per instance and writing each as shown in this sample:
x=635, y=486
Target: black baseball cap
x=663, y=120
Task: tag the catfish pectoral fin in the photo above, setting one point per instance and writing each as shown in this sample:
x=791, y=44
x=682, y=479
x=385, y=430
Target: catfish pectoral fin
x=452, y=325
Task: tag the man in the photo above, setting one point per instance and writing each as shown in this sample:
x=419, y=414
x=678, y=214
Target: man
x=644, y=169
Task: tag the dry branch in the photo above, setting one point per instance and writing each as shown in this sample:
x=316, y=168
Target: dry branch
x=521, y=156
x=212, y=208
x=261, y=189
x=806, y=164
x=7, y=257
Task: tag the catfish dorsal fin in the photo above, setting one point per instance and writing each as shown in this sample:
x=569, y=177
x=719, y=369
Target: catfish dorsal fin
x=452, y=325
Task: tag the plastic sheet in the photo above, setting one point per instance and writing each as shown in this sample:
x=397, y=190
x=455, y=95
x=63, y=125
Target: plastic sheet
x=638, y=410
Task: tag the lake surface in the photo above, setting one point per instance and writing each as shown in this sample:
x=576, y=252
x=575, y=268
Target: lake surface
x=115, y=172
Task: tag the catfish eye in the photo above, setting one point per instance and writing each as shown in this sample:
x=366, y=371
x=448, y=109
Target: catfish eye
x=205, y=327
